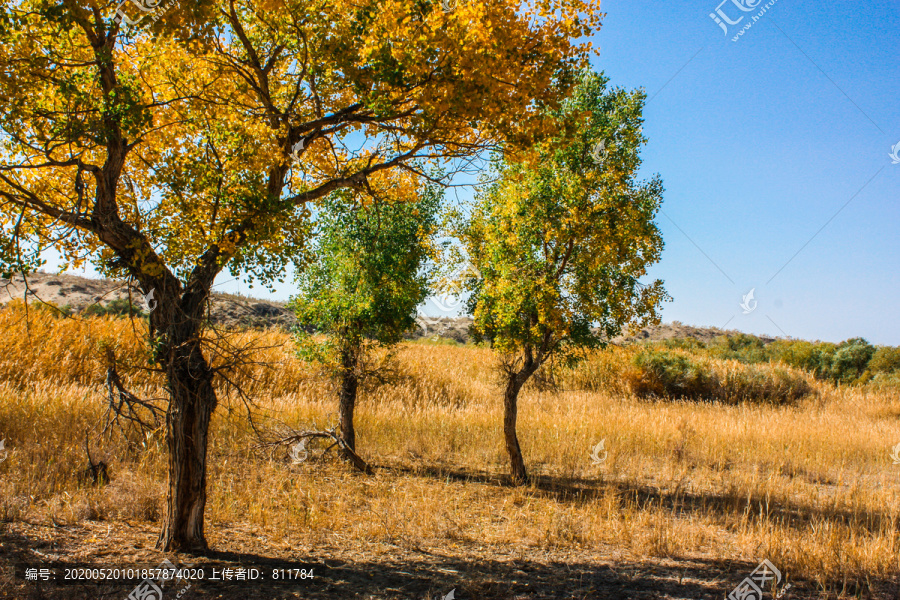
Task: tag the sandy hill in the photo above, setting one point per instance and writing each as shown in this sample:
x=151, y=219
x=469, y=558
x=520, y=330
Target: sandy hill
x=228, y=310
x=78, y=293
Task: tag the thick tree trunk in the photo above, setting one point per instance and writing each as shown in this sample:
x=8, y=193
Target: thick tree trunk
x=347, y=400
x=192, y=402
x=510, y=410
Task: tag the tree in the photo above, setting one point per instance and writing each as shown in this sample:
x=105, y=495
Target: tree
x=560, y=241
x=367, y=275
x=851, y=359
x=172, y=149
x=885, y=360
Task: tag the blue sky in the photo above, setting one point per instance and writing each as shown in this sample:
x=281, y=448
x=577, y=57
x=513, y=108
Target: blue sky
x=774, y=151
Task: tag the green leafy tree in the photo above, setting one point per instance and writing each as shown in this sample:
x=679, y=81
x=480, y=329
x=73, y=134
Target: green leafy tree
x=815, y=357
x=851, y=359
x=359, y=294
x=561, y=240
x=885, y=360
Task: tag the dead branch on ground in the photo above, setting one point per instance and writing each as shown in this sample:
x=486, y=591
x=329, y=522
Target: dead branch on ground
x=287, y=436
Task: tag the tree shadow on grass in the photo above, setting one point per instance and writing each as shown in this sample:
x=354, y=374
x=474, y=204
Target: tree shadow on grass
x=680, y=502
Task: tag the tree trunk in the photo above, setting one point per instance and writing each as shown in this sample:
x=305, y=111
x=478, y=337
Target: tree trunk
x=510, y=409
x=347, y=400
x=191, y=404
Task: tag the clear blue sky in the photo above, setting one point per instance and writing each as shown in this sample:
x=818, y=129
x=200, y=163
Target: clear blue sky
x=763, y=142
x=774, y=151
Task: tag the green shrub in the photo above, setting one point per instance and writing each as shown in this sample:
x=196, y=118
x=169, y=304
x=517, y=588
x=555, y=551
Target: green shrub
x=671, y=375
x=850, y=360
x=676, y=375
x=885, y=360
x=119, y=307
x=741, y=346
x=815, y=357
x=52, y=309
x=687, y=343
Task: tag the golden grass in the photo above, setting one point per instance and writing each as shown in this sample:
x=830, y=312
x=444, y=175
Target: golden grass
x=811, y=487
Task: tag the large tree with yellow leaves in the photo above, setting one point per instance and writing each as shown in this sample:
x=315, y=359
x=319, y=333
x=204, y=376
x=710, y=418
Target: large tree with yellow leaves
x=166, y=142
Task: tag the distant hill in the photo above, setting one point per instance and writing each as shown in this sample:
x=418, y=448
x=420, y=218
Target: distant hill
x=77, y=293
x=678, y=330
x=229, y=310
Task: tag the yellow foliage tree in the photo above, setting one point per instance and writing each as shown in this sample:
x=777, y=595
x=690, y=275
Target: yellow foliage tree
x=560, y=241
x=168, y=141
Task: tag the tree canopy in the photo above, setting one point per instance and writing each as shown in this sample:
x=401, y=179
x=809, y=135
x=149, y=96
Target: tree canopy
x=564, y=236
x=367, y=273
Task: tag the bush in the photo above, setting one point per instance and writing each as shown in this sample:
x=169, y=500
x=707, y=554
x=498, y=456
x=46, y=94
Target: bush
x=815, y=357
x=851, y=360
x=119, y=307
x=687, y=343
x=675, y=375
x=885, y=360
x=52, y=309
x=743, y=347
x=670, y=375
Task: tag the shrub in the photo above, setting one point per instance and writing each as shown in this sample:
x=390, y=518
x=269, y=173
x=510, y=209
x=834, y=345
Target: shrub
x=668, y=374
x=741, y=346
x=119, y=307
x=885, y=360
x=850, y=360
x=771, y=385
x=675, y=375
x=815, y=357
x=687, y=343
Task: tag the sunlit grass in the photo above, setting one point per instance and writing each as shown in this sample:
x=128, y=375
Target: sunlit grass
x=811, y=486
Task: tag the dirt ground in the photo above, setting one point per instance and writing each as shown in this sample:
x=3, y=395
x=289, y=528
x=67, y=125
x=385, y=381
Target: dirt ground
x=374, y=571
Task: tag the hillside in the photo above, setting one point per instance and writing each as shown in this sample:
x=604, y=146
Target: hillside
x=229, y=310
x=78, y=293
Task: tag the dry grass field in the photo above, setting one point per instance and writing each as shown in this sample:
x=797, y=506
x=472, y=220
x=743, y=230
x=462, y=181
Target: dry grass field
x=690, y=498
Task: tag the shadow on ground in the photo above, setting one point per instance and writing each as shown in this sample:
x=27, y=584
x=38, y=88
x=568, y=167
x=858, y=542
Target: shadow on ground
x=679, y=502
x=408, y=574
